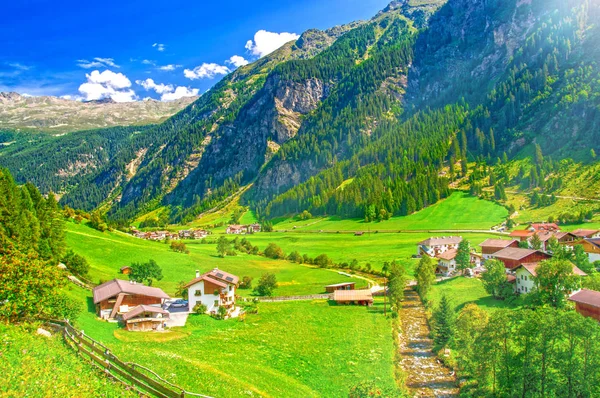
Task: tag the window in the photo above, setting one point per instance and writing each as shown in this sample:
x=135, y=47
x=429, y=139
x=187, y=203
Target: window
x=198, y=293
x=230, y=287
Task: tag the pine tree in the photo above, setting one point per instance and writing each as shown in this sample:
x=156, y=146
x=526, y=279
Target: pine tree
x=443, y=318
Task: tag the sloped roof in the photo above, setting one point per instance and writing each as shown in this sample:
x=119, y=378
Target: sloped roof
x=499, y=243
x=444, y=240
x=545, y=226
x=522, y=233
x=595, y=242
x=585, y=296
x=447, y=255
x=117, y=286
x=141, y=309
x=341, y=284
x=352, y=295
x=514, y=253
x=216, y=276
x=531, y=268
x=585, y=233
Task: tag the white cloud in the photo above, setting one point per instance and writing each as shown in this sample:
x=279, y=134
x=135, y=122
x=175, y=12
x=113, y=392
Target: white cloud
x=107, y=85
x=159, y=46
x=266, y=42
x=19, y=66
x=170, y=67
x=148, y=62
x=237, y=61
x=179, y=92
x=206, y=71
x=97, y=63
x=149, y=84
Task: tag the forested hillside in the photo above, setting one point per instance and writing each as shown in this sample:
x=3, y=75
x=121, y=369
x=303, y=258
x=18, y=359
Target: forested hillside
x=370, y=119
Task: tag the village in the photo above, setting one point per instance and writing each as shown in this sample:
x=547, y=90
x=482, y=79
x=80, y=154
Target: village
x=196, y=234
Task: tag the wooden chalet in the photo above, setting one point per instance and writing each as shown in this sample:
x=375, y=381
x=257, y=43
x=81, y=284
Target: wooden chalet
x=586, y=233
x=117, y=297
x=587, y=303
x=355, y=297
x=512, y=257
x=592, y=248
x=340, y=286
x=491, y=246
x=145, y=318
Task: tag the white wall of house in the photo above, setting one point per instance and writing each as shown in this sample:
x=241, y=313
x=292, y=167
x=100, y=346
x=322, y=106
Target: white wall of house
x=594, y=257
x=525, y=283
x=196, y=294
x=435, y=249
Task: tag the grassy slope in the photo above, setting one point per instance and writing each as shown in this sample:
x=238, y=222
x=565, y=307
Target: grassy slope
x=291, y=349
x=459, y=211
x=107, y=252
x=461, y=291
x=37, y=366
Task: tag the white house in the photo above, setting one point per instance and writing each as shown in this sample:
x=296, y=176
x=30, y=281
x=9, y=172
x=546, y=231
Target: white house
x=592, y=248
x=214, y=289
x=434, y=246
x=447, y=261
x=526, y=274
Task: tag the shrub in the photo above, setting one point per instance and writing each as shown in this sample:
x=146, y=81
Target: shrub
x=266, y=285
x=200, y=308
x=275, y=252
x=246, y=282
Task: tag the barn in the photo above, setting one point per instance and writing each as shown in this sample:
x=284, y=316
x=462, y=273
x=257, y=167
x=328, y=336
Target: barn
x=340, y=286
x=512, y=257
x=356, y=297
x=145, y=318
x=587, y=303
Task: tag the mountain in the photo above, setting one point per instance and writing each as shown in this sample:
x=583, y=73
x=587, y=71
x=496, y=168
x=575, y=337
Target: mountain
x=370, y=119
x=59, y=115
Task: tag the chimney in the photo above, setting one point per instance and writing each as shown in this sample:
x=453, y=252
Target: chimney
x=197, y=274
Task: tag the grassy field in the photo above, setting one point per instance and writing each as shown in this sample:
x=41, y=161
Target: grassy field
x=36, y=366
x=109, y=251
x=290, y=349
x=461, y=291
x=459, y=211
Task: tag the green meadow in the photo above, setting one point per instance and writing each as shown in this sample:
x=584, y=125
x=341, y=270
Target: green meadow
x=462, y=291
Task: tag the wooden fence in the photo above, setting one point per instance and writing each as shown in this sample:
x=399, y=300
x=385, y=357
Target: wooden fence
x=135, y=376
x=296, y=298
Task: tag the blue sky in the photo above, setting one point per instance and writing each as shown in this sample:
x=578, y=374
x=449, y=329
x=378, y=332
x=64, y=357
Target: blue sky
x=130, y=49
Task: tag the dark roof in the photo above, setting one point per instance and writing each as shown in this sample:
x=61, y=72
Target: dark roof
x=595, y=242
x=141, y=309
x=352, y=295
x=589, y=297
x=216, y=276
x=514, y=253
x=116, y=286
x=499, y=243
x=444, y=240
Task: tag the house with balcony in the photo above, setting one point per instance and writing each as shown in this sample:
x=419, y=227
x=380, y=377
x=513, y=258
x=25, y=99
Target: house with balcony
x=435, y=246
x=116, y=298
x=214, y=289
x=525, y=277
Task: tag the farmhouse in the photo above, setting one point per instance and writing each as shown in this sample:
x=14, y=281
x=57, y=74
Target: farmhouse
x=544, y=227
x=587, y=303
x=447, y=261
x=586, y=233
x=356, y=297
x=592, y=248
x=254, y=228
x=561, y=237
x=145, y=318
x=118, y=297
x=199, y=234
x=526, y=274
x=491, y=246
x=185, y=234
x=236, y=229
x=434, y=246
x=512, y=257
x=214, y=289
x=340, y=286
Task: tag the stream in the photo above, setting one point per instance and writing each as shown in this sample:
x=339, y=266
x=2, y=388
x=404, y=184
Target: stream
x=426, y=376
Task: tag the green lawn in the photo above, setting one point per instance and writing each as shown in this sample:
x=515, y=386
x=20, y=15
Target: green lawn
x=36, y=366
x=458, y=212
x=107, y=252
x=290, y=349
x=461, y=291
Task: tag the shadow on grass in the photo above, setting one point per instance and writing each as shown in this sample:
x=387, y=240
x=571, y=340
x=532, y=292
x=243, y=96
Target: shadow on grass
x=91, y=307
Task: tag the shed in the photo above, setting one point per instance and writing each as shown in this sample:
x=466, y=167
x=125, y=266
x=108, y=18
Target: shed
x=340, y=286
x=126, y=270
x=145, y=318
x=587, y=303
x=356, y=297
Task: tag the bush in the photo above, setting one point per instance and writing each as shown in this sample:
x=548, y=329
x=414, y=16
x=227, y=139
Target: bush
x=266, y=285
x=75, y=263
x=322, y=261
x=179, y=247
x=246, y=283
x=275, y=252
x=200, y=308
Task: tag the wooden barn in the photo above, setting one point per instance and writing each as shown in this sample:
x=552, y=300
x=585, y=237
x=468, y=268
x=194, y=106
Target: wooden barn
x=512, y=257
x=117, y=297
x=355, y=297
x=340, y=286
x=587, y=303
x=491, y=246
x=145, y=318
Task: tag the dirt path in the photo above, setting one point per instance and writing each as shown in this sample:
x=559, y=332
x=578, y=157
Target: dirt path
x=426, y=376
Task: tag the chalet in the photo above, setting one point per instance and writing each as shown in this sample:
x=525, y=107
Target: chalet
x=434, y=246
x=544, y=227
x=254, y=228
x=561, y=237
x=236, y=229
x=587, y=233
x=141, y=235
x=522, y=235
x=592, y=248
x=117, y=297
x=126, y=270
x=526, y=274
x=199, y=234
x=587, y=303
x=145, y=318
x=185, y=234
x=491, y=246
x=512, y=257
x=214, y=289
x=162, y=235
x=447, y=262
x=356, y=297
x=340, y=286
